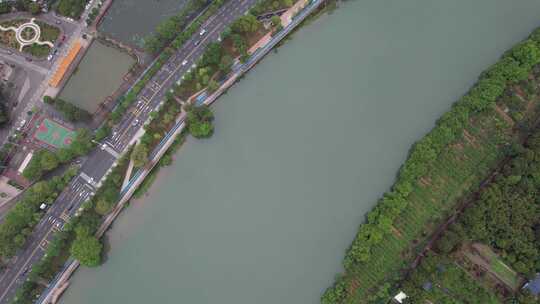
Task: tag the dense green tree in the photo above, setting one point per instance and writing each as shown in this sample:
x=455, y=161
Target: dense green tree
x=212, y=55
x=20, y=220
x=199, y=121
x=87, y=249
x=102, y=132
x=48, y=160
x=527, y=53
x=336, y=293
x=71, y=8
x=82, y=143
x=213, y=85
x=65, y=155
x=140, y=155
x=226, y=64
x=275, y=20
x=246, y=24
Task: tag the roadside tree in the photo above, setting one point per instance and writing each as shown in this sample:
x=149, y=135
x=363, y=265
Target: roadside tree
x=199, y=121
x=87, y=249
x=140, y=155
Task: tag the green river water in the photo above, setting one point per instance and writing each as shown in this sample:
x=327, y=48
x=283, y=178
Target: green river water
x=304, y=146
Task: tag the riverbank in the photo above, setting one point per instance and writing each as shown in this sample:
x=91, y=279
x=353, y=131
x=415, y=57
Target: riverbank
x=448, y=164
x=211, y=199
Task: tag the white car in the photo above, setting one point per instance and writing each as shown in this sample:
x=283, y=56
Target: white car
x=50, y=57
x=184, y=62
x=203, y=31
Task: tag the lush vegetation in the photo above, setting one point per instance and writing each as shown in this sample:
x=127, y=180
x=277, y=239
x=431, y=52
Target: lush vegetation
x=20, y=220
x=242, y=33
x=71, y=8
x=60, y=249
x=69, y=111
x=44, y=160
x=217, y=59
x=140, y=155
x=505, y=217
x=86, y=247
x=448, y=163
x=199, y=121
x=213, y=65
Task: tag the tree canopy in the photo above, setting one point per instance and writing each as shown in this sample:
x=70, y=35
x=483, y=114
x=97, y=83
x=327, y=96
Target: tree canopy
x=87, y=249
x=140, y=155
x=199, y=121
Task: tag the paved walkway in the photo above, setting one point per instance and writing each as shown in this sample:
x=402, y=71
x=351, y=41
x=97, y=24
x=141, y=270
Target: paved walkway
x=24, y=41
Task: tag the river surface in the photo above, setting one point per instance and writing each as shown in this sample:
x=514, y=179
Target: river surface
x=304, y=145
x=131, y=20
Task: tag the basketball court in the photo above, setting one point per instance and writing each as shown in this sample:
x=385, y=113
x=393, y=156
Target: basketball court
x=54, y=134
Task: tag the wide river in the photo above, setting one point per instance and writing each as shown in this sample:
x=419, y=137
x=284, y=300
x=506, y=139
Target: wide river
x=304, y=145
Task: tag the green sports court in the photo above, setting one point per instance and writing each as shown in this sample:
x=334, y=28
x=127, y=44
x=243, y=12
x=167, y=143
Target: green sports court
x=54, y=134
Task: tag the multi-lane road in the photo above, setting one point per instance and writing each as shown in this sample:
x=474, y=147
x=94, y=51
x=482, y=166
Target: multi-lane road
x=99, y=161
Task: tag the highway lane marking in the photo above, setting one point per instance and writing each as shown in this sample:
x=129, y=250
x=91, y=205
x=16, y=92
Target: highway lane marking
x=176, y=70
x=221, y=14
x=24, y=266
x=64, y=216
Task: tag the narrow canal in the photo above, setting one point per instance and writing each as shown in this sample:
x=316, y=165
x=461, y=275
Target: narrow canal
x=304, y=145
